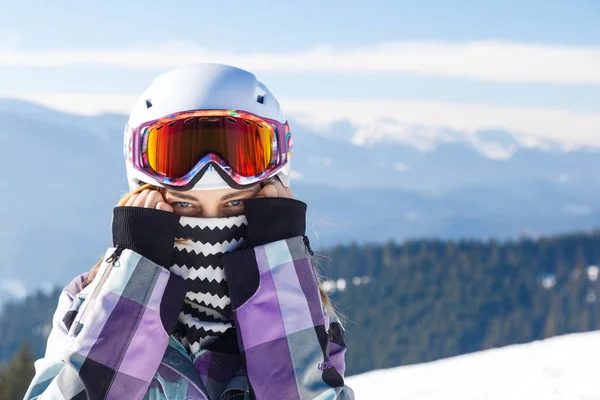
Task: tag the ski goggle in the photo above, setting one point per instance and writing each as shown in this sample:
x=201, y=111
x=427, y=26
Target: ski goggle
x=177, y=149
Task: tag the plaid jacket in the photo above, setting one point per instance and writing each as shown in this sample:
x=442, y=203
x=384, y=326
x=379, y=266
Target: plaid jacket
x=110, y=340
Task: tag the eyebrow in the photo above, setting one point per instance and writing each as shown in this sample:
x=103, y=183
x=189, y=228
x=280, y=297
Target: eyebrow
x=184, y=196
x=238, y=193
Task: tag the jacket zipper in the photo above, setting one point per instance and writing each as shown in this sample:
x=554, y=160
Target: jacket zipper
x=179, y=344
x=114, y=257
x=192, y=357
x=112, y=260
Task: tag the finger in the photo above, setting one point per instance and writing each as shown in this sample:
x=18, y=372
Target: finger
x=141, y=199
x=153, y=198
x=280, y=189
x=268, y=191
x=161, y=205
x=130, y=200
x=281, y=192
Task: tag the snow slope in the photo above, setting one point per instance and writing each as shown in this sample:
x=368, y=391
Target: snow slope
x=564, y=367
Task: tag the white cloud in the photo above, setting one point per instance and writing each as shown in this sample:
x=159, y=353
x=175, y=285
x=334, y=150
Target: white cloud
x=484, y=60
x=296, y=175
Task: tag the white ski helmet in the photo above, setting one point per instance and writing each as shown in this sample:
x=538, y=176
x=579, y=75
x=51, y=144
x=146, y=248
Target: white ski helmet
x=204, y=86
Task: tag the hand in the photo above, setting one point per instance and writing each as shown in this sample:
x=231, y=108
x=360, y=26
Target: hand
x=138, y=227
x=273, y=214
x=274, y=188
x=149, y=199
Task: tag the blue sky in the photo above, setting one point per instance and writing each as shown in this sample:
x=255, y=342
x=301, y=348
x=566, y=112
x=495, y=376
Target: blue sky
x=274, y=25
x=502, y=58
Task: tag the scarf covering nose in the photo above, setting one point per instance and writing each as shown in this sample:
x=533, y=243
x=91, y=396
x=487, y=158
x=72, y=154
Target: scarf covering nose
x=206, y=314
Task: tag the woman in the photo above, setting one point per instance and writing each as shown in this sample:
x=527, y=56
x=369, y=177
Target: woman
x=208, y=292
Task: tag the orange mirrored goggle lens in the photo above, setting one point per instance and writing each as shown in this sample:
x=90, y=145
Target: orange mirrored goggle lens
x=174, y=147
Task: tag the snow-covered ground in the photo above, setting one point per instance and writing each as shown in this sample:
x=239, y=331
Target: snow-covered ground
x=565, y=367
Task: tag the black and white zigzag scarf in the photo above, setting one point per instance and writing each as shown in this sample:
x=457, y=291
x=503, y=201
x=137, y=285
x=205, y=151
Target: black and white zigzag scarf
x=206, y=313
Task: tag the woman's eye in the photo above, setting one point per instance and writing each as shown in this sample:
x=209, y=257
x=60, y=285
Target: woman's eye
x=182, y=204
x=235, y=203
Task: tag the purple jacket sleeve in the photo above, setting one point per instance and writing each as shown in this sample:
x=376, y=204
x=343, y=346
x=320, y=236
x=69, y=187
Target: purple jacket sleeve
x=291, y=349
x=98, y=347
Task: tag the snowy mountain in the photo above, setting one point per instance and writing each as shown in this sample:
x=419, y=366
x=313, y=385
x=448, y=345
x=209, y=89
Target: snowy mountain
x=64, y=173
x=332, y=157
x=560, y=368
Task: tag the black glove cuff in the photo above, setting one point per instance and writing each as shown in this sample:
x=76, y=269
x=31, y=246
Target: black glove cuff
x=273, y=218
x=148, y=232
